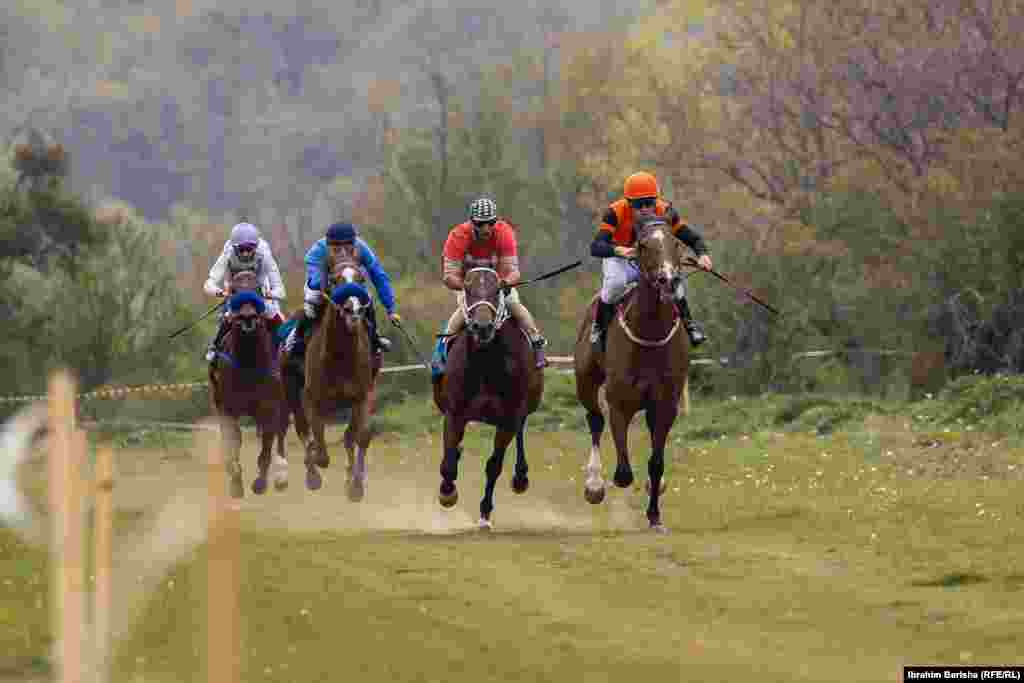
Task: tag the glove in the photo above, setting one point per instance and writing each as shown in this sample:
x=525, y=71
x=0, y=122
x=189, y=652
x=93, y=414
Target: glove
x=309, y=309
x=220, y=293
x=395, y=319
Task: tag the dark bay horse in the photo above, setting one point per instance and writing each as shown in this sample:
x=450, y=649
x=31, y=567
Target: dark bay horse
x=340, y=370
x=491, y=378
x=245, y=381
x=644, y=367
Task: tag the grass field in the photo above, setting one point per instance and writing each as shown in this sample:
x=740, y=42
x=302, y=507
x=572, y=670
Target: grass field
x=812, y=539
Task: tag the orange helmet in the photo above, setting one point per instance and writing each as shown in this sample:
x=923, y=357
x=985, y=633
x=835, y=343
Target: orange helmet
x=641, y=185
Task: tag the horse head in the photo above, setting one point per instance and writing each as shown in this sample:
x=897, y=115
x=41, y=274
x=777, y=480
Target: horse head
x=483, y=305
x=347, y=280
x=248, y=340
x=247, y=310
x=658, y=256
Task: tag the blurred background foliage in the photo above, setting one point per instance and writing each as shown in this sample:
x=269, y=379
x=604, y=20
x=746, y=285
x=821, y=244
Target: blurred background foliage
x=857, y=166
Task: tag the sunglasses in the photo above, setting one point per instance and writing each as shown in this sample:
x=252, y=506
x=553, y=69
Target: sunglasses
x=481, y=224
x=645, y=203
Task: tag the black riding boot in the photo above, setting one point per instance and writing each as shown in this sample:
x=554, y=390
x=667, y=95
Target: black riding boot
x=599, y=331
x=378, y=343
x=693, y=329
x=211, y=350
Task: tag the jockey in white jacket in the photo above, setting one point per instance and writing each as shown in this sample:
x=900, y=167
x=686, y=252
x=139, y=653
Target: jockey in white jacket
x=245, y=250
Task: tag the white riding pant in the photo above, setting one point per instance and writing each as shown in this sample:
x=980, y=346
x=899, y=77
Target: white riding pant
x=619, y=273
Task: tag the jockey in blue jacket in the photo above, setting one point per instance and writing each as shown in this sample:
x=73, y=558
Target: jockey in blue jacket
x=345, y=236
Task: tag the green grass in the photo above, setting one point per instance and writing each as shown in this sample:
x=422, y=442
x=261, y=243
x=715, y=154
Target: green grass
x=810, y=536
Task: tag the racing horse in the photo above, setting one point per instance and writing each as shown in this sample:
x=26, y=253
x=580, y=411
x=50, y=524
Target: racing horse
x=339, y=370
x=491, y=378
x=245, y=380
x=644, y=366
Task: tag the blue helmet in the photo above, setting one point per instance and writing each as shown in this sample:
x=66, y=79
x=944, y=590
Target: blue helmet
x=342, y=232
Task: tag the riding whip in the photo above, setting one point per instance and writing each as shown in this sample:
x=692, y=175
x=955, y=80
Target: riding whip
x=204, y=315
x=412, y=343
x=690, y=261
x=547, y=275
x=196, y=322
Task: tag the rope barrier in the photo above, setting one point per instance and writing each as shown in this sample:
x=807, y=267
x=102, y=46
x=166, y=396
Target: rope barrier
x=147, y=390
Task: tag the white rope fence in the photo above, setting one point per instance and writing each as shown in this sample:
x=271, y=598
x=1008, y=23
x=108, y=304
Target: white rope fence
x=150, y=390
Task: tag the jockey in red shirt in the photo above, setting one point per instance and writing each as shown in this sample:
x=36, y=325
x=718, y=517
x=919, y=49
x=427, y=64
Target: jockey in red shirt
x=485, y=241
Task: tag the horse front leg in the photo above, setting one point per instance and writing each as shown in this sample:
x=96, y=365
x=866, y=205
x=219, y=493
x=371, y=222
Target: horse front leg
x=502, y=438
x=267, y=437
x=659, y=424
x=316, y=446
x=454, y=431
x=231, y=433
x=620, y=420
x=520, y=481
x=358, y=434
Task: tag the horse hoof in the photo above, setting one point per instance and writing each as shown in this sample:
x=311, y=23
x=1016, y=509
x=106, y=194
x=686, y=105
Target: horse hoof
x=448, y=495
x=313, y=479
x=237, y=488
x=662, y=487
x=279, y=473
x=259, y=485
x=485, y=524
x=356, y=491
x=594, y=496
x=623, y=477
x=520, y=484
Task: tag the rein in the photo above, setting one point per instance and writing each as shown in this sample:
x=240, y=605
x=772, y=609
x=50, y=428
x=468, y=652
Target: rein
x=621, y=317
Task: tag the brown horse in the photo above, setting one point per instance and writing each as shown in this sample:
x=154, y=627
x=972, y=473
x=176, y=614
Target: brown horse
x=491, y=378
x=340, y=370
x=245, y=380
x=644, y=366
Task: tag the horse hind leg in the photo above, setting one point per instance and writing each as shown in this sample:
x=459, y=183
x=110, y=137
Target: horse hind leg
x=502, y=438
x=521, y=482
x=594, y=488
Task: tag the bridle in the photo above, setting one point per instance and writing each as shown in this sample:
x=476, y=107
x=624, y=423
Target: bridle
x=500, y=311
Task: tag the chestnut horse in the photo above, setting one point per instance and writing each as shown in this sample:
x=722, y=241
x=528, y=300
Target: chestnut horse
x=245, y=380
x=340, y=370
x=491, y=378
x=644, y=366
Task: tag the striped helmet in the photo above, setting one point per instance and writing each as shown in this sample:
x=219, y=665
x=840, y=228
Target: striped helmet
x=483, y=210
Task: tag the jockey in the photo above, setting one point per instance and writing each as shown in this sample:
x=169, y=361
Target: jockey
x=245, y=250
x=486, y=241
x=344, y=236
x=615, y=242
